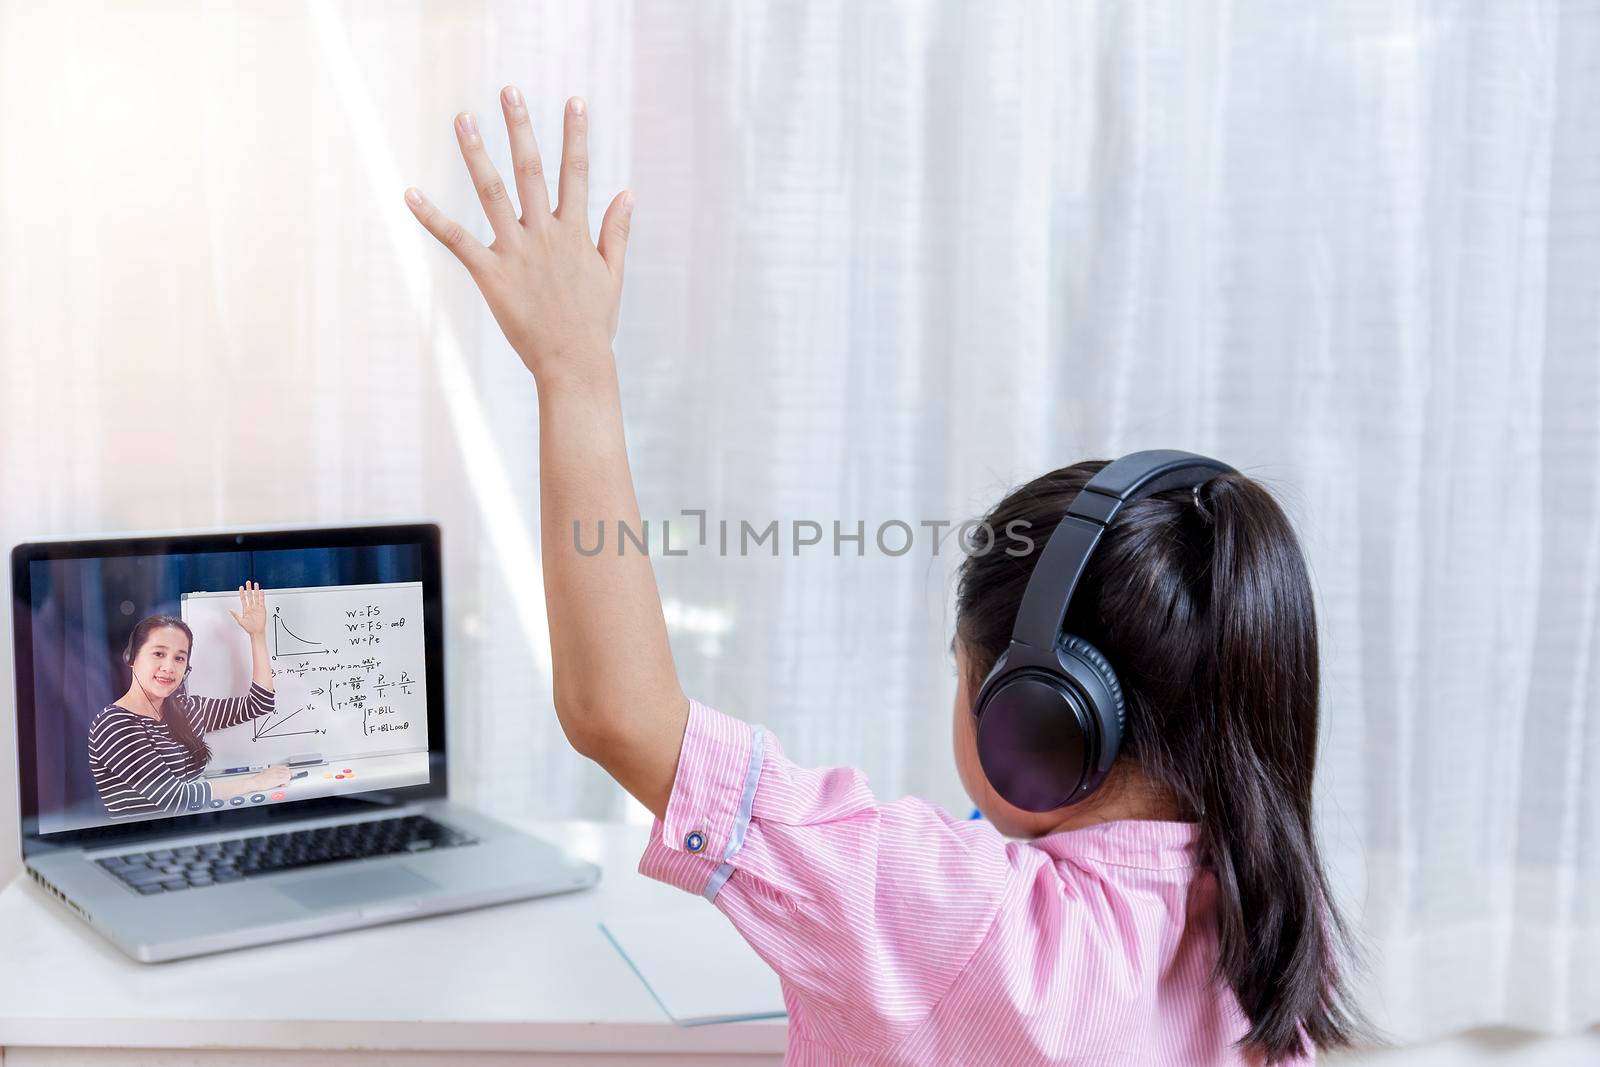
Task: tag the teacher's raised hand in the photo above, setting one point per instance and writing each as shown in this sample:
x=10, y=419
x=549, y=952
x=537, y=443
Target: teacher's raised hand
x=252, y=613
x=554, y=293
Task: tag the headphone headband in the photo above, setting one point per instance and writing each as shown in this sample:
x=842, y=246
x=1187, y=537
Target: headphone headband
x=1066, y=554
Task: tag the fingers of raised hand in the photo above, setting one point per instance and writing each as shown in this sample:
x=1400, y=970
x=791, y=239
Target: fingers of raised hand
x=574, y=182
x=614, y=234
x=525, y=163
x=447, y=231
x=491, y=190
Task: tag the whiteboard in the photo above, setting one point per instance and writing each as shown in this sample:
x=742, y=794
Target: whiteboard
x=347, y=670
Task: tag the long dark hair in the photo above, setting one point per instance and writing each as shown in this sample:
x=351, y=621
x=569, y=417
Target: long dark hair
x=175, y=708
x=1206, y=614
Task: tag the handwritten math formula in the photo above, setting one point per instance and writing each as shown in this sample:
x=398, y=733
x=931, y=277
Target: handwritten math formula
x=357, y=683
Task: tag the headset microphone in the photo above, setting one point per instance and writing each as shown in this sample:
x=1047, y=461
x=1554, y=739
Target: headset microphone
x=1050, y=713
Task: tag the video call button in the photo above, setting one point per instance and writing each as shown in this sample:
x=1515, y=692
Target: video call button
x=256, y=798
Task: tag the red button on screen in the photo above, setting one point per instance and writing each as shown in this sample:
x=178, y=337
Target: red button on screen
x=278, y=795
x=347, y=770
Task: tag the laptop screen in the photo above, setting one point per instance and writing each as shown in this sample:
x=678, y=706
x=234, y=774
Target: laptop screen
x=155, y=684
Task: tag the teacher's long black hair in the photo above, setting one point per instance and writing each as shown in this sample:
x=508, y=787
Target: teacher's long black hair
x=1206, y=613
x=174, y=710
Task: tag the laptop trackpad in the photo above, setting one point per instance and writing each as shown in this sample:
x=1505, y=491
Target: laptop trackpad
x=342, y=890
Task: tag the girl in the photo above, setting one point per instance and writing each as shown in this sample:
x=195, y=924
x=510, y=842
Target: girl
x=146, y=750
x=1179, y=915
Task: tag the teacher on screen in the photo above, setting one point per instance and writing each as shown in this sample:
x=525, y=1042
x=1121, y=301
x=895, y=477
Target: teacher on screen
x=146, y=750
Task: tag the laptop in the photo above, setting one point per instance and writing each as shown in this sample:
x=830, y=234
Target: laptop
x=180, y=804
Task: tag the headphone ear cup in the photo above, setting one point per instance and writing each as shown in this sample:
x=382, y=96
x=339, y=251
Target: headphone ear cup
x=1033, y=739
x=1047, y=735
x=1106, y=702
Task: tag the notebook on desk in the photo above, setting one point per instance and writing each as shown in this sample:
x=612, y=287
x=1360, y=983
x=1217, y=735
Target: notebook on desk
x=696, y=965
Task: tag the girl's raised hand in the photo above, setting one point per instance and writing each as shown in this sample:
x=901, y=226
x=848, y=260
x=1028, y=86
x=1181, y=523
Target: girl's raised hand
x=553, y=292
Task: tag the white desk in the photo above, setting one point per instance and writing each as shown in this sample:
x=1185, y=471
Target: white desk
x=536, y=978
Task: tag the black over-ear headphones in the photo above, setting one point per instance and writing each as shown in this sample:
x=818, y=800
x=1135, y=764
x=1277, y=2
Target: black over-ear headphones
x=1050, y=713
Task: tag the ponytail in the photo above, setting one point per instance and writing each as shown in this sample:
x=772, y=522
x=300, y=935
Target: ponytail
x=1202, y=601
x=1256, y=696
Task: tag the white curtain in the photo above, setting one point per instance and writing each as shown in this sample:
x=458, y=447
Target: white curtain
x=887, y=261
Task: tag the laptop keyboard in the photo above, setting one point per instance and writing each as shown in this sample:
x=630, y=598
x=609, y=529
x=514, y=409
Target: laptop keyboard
x=168, y=870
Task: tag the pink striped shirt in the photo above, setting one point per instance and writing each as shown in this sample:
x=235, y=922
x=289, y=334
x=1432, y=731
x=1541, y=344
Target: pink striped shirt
x=903, y=936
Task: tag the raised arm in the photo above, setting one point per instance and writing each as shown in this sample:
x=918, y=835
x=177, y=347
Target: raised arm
x=556, y=296
x=252, y=619
x=210, y=713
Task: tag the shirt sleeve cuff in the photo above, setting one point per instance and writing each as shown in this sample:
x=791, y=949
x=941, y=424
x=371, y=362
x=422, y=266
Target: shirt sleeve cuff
x=709, y=806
